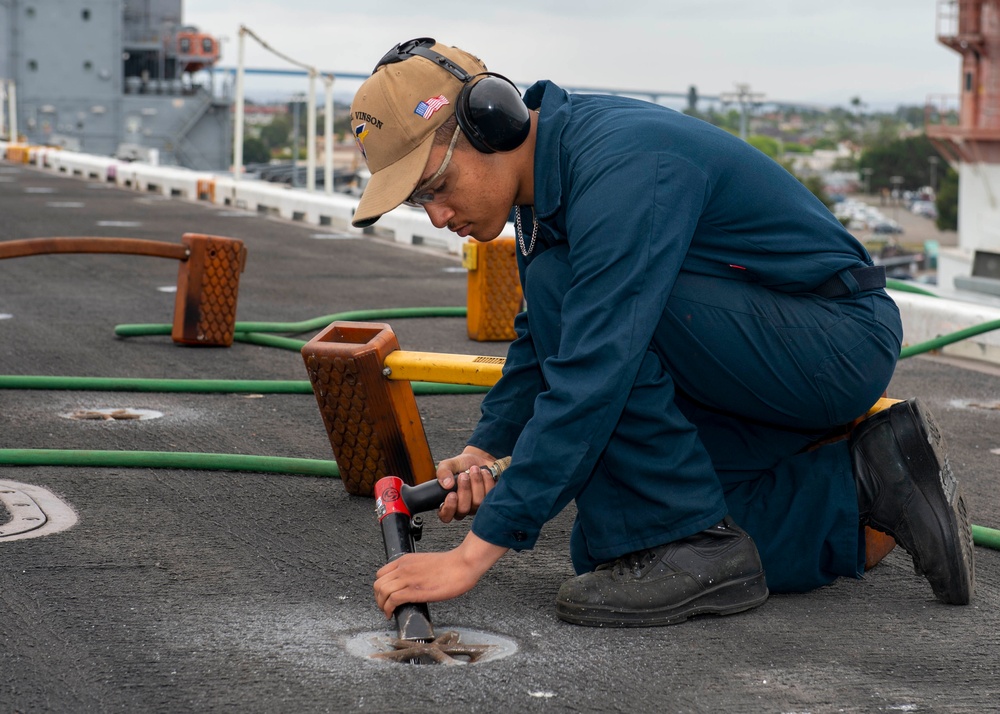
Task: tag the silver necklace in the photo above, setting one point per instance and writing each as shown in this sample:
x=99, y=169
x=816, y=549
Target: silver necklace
x=520, y=232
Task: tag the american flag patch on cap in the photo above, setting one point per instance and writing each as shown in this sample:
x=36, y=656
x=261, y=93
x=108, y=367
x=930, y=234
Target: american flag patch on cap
x=427, y=107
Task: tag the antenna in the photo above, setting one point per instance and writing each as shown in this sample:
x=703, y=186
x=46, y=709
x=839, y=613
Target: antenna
x=746, y=99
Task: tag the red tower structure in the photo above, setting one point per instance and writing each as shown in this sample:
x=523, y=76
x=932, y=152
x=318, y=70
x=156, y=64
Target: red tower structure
x=966, y=132
x=971, y=28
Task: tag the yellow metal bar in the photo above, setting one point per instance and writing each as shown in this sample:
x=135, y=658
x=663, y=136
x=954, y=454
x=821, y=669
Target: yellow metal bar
x=882, y=403
x=470, y=255
x=443, y=368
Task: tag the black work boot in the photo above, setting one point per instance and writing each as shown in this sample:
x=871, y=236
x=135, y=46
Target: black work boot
x=906, y=488
x=714, y=572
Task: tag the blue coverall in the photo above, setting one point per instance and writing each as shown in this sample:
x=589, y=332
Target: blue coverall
x=675, y=362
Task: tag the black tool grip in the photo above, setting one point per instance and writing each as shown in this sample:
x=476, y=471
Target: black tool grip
x=430, y=495
x=413, y=620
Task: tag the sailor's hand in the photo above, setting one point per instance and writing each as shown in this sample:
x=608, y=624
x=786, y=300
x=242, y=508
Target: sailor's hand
x=432, y=577
x=473, y=483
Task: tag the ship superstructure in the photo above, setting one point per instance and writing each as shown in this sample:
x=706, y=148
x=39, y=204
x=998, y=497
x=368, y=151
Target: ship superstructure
x=115, y=77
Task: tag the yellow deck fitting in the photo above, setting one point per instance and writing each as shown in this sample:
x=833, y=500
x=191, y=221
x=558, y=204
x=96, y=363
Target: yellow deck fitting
x=372, y=422
x=494, y=290
x=19, y=153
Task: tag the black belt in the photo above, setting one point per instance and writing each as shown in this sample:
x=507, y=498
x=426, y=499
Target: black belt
x=867, y=277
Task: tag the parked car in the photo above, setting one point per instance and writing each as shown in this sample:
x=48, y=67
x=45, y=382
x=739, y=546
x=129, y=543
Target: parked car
x=927, y=209
x=886, y=227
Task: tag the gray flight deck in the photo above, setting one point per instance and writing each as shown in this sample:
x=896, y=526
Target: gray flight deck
x=194, y=590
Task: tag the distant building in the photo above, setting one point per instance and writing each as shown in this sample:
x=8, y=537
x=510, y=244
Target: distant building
x=263, y=114
x=115, y=78
x=823, y=161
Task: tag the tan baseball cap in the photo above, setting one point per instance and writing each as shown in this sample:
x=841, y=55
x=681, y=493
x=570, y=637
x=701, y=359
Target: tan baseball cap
x=394, y=116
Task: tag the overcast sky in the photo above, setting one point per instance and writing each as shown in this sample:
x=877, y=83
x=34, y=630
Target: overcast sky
x=812, y=51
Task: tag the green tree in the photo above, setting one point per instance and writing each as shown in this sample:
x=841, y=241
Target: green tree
x=906, y=158
x=845, y=125
x=882, y=131
x=765, y=144
x=275, y=134
x=914, y=116
x=815, y=184
x=947, y=201
x=255, y=152
x=342, y=121
x=844, y=163
x=730, y=120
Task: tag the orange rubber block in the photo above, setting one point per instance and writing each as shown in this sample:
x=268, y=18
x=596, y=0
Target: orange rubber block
x=493, y=295
x=372, y=422
x=208, y=283
x=205, y=188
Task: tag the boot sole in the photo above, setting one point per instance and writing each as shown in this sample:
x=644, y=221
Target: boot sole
x=924, y=450
x=724, y=599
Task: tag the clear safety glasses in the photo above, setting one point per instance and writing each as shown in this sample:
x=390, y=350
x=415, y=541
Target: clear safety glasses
x=431, y=191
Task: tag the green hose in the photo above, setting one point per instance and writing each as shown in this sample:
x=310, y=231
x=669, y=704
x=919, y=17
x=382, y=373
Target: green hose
x=224, y=386
x=168, y=460
x=904, y=286
x=117, y=384
x=986, y=537
x=944, y=340
x=258, y=338
x=939, y=342
x=982, y=536
x=308, y=325
x=245, y=330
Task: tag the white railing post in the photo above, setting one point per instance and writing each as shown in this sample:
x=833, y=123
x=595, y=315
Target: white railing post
x=328, y=134
x=238, y=119
x=12, y=110
x=3, y=110
x=311, y=134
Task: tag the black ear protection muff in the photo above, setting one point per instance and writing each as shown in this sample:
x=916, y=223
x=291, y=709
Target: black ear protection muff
x=489, y=107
